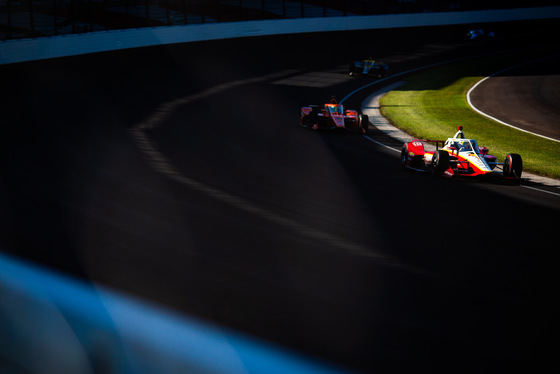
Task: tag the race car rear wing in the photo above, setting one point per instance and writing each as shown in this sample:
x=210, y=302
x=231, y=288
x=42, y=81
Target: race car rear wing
x=436, y=142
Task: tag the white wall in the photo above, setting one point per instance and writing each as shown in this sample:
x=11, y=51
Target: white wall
x=13, y=51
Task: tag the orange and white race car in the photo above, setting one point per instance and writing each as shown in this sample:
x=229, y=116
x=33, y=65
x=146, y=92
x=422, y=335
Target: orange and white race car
x=332, y=116
x=459, y=157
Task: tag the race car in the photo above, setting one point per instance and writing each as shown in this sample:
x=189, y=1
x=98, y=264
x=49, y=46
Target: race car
x=458, y=157
x=368, y=67
x=480, y=35
x=332, y=116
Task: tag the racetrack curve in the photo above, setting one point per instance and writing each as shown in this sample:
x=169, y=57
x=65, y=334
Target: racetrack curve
x=526, y=97
x=165, y=174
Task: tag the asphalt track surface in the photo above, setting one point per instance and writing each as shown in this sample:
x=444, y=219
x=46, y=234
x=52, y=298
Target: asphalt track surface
x=526, y=97
x=179, y=174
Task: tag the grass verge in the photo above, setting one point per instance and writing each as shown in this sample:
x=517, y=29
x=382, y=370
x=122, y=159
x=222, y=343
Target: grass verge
x=433, y=103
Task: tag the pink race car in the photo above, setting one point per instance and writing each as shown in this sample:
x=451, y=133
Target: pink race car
x=333, y=116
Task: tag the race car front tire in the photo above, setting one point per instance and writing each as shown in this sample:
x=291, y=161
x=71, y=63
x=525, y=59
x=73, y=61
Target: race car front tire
x=404, y=155
x=440, y=162
x=513, y=166
x=364, y=124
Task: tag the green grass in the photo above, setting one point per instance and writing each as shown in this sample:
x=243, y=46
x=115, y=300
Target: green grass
x=433, y=103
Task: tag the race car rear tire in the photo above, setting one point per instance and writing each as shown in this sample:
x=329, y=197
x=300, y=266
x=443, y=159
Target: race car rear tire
x=440, y=162
x=352, y=69
x=364, y=124
x=513, y=166
x=308, y=121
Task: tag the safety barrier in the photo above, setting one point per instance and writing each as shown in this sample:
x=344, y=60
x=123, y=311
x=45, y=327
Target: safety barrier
x=40, y=18
x=30, y=49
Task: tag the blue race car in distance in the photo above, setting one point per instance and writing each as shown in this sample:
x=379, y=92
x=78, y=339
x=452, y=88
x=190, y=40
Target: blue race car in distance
x=369, y=67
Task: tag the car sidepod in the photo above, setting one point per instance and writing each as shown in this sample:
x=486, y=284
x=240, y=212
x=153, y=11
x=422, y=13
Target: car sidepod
x=467, y=164
x=476, y=164
x=412, y=155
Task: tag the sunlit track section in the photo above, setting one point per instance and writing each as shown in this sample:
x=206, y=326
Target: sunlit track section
x=496, y=119
x=370, y=106
x=159, y=162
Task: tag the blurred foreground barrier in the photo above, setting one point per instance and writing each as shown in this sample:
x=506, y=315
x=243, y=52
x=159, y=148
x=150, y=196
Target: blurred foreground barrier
x=52, y=323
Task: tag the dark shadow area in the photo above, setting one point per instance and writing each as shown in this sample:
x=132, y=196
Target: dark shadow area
x=410, y=281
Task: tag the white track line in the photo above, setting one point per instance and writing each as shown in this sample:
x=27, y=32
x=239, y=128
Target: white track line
x=538, y=189
x=496, y=119
x=381, y=144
